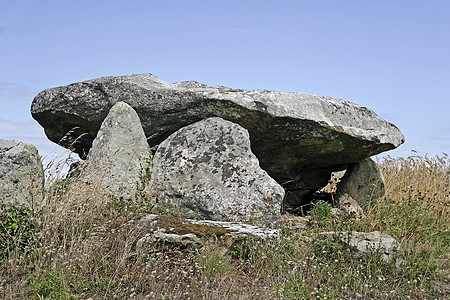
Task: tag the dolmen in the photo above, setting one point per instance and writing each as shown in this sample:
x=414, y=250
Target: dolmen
x=222, y=153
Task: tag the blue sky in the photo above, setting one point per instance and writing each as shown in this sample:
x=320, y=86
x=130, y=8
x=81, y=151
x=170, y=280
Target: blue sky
x=391, y=56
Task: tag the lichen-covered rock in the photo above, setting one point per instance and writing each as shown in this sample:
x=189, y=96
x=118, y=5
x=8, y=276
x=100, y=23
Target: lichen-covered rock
x=363, y=182
x=291, y=133
x=153, y=232
x=21, y=174
x=118, y=157
x=208, y=171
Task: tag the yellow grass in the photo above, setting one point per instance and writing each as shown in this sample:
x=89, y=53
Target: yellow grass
x=427, y=178
x=84, y=247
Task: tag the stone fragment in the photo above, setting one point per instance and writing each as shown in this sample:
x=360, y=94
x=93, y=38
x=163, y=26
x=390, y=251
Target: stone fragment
x=350, y=207
x=21, y=174
x=335, y=212
x=208, y=171
x=160, y=238
x=154, y=231
x=333, y=182
x=363, y=181
x=241, y=228
x=296, y=222
x=367, y=243
x=291, y=133
x=118, y=157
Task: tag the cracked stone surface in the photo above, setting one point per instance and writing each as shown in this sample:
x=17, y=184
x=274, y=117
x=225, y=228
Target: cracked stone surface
x=364, y=182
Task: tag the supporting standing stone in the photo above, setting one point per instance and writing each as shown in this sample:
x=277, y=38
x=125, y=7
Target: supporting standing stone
x=118, y=158
x=207, y=170
x=363, y=182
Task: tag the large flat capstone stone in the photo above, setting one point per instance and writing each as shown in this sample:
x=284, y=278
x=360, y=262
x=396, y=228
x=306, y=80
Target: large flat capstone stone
x=291, y=133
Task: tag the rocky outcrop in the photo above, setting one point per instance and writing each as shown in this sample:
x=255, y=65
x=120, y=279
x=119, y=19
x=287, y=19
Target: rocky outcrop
x=21, y=173
x=292, y=134
x=118, y=157
x=363, y=182
x=208, y=171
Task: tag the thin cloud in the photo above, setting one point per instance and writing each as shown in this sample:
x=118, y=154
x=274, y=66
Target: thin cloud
x=12, y=91
x=2, y=29
x=10, y=128
x=237, y=30
x=255, y=33
x=242, y=30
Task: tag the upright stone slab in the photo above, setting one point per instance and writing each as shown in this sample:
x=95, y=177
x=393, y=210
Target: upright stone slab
x=117, y=160
x=207, y=170
x=363, y=181
x=21, y=173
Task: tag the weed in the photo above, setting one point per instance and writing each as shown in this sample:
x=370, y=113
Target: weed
x=320, y=214
x=50, y=285
x=17, y=227
x=240, y=249
x=215, y=265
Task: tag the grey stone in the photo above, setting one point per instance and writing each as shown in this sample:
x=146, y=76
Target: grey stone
x=21, y=174
x=161, y=239
x=367, y=243
x=208, y=171
x=291, y=133
x=241, y=228
x=335, y=212
x=147, y=221
x=364, y=182
x=350, y=207
x=296, y=222
x=152, y=234
x=118, y=157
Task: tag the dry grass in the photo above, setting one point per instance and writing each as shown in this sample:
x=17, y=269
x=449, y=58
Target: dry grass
x=420, y=177
x=417, y=207
x=82, y=247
